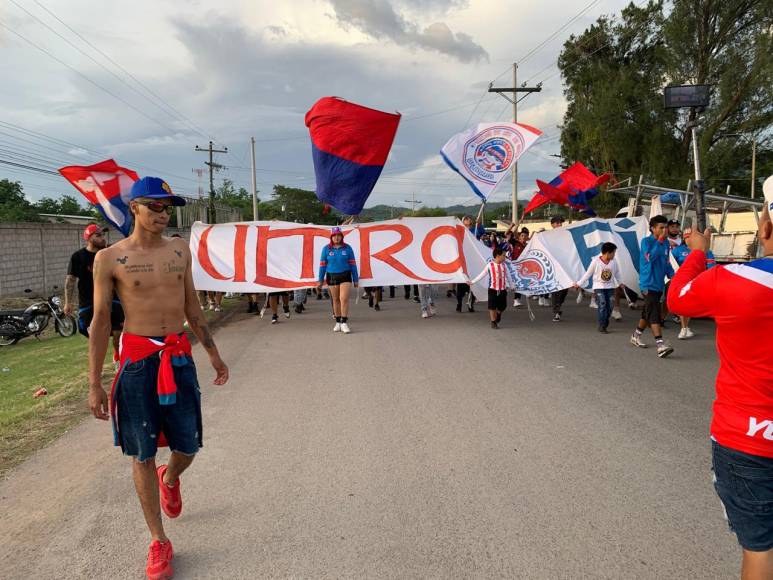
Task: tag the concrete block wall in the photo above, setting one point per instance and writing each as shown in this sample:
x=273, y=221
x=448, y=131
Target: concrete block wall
x=36, y=255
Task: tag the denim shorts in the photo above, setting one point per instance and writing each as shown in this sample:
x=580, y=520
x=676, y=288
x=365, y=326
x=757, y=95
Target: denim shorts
x=744, y=483
x=141, y=418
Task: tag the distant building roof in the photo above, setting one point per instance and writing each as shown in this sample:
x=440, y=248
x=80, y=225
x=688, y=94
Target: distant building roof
x=68, y=219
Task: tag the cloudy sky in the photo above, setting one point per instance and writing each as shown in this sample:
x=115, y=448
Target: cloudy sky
x=228, y=70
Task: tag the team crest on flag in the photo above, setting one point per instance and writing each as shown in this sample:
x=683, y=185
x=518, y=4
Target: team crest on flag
x=534, y=271
x=484, y=154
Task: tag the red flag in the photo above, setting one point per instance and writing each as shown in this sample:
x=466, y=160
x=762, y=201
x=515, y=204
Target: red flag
x=574, y=187
x=106, y=185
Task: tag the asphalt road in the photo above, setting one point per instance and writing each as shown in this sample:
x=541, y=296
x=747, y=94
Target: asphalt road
x=411, y=448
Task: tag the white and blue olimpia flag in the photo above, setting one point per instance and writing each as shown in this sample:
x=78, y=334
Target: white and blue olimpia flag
x=484, y=154
x=554, y=259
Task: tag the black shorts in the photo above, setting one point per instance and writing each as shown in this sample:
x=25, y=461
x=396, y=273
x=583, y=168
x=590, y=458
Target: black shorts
x=652, y=312
x=497, y=300
x=338, y=278
x=85, y=315
x=280, y=294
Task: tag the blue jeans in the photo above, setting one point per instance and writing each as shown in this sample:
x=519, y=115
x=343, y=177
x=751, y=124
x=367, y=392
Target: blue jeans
x=604, y=302
x=141, y=418
x=744, y=483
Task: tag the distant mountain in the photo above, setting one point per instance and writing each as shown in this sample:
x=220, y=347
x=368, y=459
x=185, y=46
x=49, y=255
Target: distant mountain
x=385, y=212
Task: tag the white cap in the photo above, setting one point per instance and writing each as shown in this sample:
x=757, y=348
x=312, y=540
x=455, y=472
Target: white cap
x=767, y=190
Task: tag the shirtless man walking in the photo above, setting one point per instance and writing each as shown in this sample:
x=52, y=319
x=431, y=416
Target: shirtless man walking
x=155, y=399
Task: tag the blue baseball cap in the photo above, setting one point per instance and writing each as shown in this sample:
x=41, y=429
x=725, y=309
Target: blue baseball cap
x=154, y=188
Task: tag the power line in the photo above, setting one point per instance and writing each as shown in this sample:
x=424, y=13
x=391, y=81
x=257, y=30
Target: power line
x=28, y=167
x=579, y=59
x=92, y=59
x=88, y=79
x=557, y=32
x=129, y=74
x=93, y=152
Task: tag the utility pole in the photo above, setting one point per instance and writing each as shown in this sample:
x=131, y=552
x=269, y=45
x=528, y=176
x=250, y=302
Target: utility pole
x=413, y=201
x=754, y=161
x=515, y=89
x=698, y=186
x=254, y=183
x=212, y=168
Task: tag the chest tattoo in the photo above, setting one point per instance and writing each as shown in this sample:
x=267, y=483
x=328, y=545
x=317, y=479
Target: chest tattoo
x=139, y=268
x=172, y=267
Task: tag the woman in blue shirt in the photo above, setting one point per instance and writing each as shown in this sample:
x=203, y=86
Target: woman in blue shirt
x=338, y=267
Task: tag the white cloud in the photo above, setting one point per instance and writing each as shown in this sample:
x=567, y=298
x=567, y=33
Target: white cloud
x=241, y=68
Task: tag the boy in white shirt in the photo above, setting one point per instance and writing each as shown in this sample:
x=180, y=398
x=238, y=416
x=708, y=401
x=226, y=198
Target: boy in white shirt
x=606, y=277
x=499, y=282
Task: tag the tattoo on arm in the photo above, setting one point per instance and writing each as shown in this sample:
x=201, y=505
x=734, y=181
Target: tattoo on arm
x=207, y=341
x=69, y=288
x=201, y=330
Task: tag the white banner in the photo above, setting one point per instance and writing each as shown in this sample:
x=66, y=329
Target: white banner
x=276, y=256
x=556, y=259
x=484, y=154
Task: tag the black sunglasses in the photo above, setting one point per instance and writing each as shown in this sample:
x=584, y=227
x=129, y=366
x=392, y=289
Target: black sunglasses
x=157, y=206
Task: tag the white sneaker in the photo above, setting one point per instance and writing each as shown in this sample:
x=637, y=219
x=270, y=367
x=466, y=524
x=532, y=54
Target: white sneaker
x=262, y=311
x=616, y=314
x=217, y=309
x=364, y=294
x=337, y=327
x=211, y=305
x=287, y=313
x=424, y=314
x=665, y=349
x=579, y=297
x=593, y=303
x=685, y=333
x=636, y=340
x=345, y=328
x=516, y=303
x=690, y=333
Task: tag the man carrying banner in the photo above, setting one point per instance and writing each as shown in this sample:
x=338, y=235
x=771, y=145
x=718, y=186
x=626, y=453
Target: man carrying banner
x=338, y=267
x=739, y=297
x=155, y=397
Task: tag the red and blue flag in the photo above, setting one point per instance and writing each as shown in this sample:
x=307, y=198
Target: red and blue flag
x=349, y=145
x=574, y=187
x=106, y=185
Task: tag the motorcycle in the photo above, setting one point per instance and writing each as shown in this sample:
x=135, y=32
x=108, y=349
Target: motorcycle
x=33, y=320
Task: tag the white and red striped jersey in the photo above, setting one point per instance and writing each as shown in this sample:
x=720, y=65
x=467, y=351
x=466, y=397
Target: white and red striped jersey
x=739, y=298
x=499, y=277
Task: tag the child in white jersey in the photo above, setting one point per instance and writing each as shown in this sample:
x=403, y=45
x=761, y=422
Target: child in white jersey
x=606, y=277
x=499, y=281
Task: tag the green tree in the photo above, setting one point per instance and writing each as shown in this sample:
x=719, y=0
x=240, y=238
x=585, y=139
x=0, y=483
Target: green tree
x=64, y=205
x=241, y=199
x=14, y=207
x=615, y=72
x=298, y=205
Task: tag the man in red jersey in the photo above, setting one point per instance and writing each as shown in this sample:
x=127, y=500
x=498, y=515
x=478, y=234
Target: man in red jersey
x=739, y=298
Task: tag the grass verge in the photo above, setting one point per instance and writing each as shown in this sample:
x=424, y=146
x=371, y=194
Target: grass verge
x=60, y=365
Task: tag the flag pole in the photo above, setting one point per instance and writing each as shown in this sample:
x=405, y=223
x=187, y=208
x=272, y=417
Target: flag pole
x=515, y=120
x=480, y=213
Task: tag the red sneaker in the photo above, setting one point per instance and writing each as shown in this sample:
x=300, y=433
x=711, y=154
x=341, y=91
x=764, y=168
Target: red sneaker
x=171, y=500
x=160, y=561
